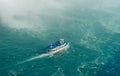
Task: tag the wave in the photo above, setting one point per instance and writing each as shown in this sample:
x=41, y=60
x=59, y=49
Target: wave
x=12, y=73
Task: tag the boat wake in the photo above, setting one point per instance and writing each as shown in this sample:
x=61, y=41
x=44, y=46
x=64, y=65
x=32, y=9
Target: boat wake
x=33, y=58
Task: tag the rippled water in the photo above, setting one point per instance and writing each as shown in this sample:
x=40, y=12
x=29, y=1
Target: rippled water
x=94, y=37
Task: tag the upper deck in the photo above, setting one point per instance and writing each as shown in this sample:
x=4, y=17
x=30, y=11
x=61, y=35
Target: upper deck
x=56, y=44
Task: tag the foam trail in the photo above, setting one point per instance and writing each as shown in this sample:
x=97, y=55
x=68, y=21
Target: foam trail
x=33, y=58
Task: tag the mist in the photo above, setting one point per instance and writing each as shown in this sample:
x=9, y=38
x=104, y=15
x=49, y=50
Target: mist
x=21, y=14
x=29, y=14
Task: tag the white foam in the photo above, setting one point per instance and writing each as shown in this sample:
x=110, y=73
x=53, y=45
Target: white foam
x=33, y=58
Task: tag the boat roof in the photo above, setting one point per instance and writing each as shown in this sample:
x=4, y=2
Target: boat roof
x=53, y=45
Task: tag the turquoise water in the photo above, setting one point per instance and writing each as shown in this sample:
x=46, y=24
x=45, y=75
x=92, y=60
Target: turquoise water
x=94, y=37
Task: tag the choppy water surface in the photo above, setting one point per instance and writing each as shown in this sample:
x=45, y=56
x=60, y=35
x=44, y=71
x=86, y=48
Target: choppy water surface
x=91, y=28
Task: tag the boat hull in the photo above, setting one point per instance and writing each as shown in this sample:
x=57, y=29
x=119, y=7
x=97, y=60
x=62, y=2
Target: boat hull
x=61, y=49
